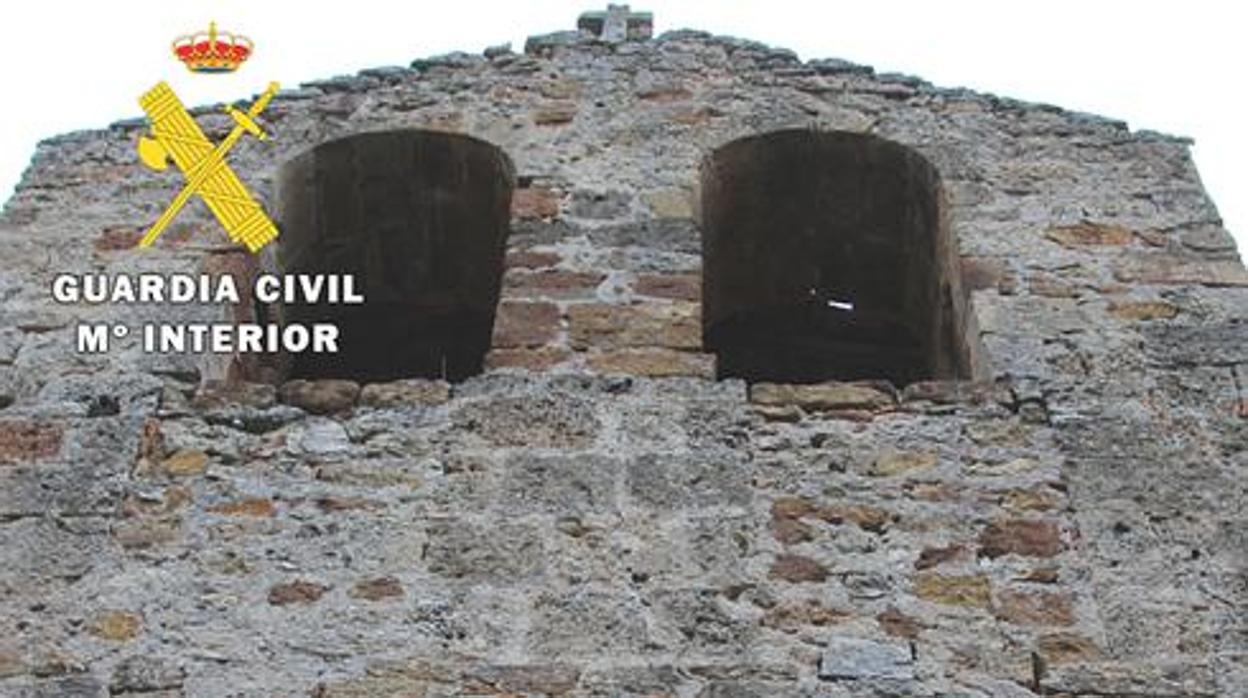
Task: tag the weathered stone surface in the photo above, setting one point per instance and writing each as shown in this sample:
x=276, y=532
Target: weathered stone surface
x=596, y=515
x=324, y=396
x=143, y=674
x=542, y=422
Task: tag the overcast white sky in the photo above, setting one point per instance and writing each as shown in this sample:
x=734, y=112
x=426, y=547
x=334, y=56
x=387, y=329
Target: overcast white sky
x=1163, y=66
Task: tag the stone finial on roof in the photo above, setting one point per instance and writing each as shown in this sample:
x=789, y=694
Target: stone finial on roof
x=617, y=24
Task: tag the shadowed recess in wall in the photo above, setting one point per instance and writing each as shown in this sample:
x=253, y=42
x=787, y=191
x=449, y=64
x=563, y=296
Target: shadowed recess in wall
x=827, y=256
x=421, y=219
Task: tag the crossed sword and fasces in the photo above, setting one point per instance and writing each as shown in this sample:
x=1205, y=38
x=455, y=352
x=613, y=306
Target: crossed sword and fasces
x=176, y=134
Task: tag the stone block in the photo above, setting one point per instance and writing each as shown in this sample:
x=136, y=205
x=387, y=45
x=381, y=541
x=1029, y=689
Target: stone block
x=680, y=287
x=1088, y=234
x=496, y=552
x=551, y=284
x=544, y=421
x=586, y=623
x=900, y=462
x=300, y=591
x=535, y=203
x=377, y=589
x=654, y=363
x=522, y=324
x=682, y=482
x=1021, y=537
x=606, y=326
x=559, y=485
x=850, y=658
x=23, y=441
x=1143, y=311
x=822, y=396
x=798, y=569
x=539, y=359
x=144, y=673
x=405, y=393
x=323, y=396
x=555, y=113
x=115, y=625
x=954, y=590
x=1165, y=268
x=1035, y=608
x=1204, y=345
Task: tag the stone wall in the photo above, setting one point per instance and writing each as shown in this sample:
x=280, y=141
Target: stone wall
x=596, y=515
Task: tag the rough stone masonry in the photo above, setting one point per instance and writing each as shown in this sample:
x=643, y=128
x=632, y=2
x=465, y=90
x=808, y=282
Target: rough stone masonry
x=595, y=511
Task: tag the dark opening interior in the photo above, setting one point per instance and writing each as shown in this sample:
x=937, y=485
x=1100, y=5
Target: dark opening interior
x=421, y=219
x=827, y=257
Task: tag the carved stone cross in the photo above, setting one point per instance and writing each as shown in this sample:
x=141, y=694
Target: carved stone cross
x=617, y=24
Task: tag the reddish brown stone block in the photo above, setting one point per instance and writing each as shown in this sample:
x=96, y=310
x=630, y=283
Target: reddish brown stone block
x=322, y=396
x=793, y=616
x=535, y=203
x=377, y=589
x=557, y=284
x=894, y=622
x=252, y=506
x=1021, y=537
x=523, y=324
x=798, y=569
x=1038, y=608
x=987, y=272
x=932, y=557
x=299, y=591
x=529, y=259
x=681, y=287
x=23, y=441
x=117, y=238
x=1067, y=648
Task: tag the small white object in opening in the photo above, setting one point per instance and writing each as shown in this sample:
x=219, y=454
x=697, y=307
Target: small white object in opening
x=841, y=305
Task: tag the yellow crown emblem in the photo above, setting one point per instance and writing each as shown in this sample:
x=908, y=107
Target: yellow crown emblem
x=212, y=51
